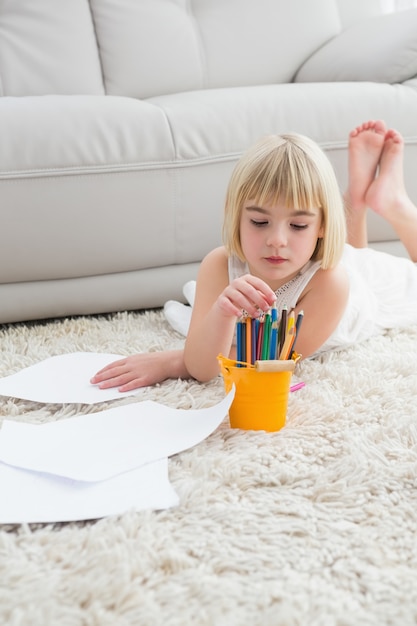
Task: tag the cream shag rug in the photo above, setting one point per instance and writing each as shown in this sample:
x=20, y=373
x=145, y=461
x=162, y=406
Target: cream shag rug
x=313, y=525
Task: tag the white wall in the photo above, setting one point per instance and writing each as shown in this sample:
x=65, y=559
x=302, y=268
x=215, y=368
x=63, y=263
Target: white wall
x=388, y=6
x=352, y=11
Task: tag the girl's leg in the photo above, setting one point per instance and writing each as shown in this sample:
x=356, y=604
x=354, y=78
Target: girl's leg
x=387, y=196
x=365, y=147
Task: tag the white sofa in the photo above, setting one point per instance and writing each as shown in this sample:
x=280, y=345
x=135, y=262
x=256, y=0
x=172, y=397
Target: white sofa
x=120, y=123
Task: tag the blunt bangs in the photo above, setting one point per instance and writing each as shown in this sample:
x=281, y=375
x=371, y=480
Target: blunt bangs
x=286, y=176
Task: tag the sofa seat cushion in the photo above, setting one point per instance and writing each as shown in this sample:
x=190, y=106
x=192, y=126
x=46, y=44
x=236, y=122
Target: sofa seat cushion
x=73, y=133
x=86, y=134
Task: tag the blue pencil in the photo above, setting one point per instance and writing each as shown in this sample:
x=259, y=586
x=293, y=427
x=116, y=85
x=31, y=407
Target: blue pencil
x=239, y=326
x=274, y=333
x=255, y=326
x=243, y=340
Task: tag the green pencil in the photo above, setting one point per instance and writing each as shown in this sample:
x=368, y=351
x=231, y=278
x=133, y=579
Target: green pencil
x=266, y=337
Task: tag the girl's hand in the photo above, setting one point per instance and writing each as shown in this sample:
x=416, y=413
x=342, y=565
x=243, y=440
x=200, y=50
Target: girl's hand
x=141, y=370
x=247, y=293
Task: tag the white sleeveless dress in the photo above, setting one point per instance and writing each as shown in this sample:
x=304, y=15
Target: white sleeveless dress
x=382, y=295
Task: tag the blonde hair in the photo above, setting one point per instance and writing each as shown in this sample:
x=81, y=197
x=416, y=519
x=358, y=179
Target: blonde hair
x=294, y=170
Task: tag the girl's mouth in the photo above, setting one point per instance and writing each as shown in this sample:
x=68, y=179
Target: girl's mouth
x=275, y=260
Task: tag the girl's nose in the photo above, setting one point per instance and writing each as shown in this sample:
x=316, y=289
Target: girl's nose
x=277, y=238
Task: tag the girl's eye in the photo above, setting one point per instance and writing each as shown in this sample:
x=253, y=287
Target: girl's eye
x=299, y=226
x=259, y=223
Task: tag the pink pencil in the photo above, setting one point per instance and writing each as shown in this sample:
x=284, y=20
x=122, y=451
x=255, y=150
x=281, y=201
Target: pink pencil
x=297, y=386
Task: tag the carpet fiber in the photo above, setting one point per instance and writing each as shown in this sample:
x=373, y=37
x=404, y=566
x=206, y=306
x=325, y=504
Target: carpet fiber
x=313, y=525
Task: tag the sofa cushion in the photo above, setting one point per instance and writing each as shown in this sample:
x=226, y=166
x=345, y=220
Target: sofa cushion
x=381, y=49
x=80, y=133
x=48, y=46
x=200, y=44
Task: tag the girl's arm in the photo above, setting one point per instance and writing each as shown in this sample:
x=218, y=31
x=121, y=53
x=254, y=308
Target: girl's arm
x=217, y=306
x=323, y=302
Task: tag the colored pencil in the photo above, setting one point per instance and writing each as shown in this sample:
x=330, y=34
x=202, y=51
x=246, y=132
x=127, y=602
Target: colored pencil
x=241, y=341
x=255, y=326
x=248, y=342
x=298, y=323
x=266, y=338
x=260, y=339
x=282, y=327
x=274, y=333
x=288, y=343
x=297, y=386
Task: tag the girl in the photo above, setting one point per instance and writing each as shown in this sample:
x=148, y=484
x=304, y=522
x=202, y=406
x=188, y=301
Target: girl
x=284, y=241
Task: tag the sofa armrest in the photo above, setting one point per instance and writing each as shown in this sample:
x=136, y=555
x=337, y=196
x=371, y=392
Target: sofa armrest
x=379, y=49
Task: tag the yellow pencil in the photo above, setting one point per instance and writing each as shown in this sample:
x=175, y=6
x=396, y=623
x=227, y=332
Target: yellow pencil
x=289, y=340
x=291, y=321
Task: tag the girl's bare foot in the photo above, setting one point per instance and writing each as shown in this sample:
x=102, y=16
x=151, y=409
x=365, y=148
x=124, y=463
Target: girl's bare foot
x=365, y=147
x=387, y=195
x=386, y=192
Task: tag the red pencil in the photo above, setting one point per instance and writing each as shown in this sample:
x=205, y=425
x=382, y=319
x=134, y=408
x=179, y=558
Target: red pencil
x=260, y=340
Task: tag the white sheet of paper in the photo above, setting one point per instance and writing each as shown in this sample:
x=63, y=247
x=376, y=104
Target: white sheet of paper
x=101, y=445
x=63, y=379
x=30, y=497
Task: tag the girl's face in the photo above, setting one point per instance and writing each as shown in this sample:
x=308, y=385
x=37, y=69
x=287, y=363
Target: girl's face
x=278, y=241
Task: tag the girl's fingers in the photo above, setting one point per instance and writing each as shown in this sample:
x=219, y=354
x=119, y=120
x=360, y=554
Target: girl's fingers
x=253, y=296
x=110, y=371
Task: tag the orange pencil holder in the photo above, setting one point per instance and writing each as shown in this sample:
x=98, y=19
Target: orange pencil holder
x=262, y=392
